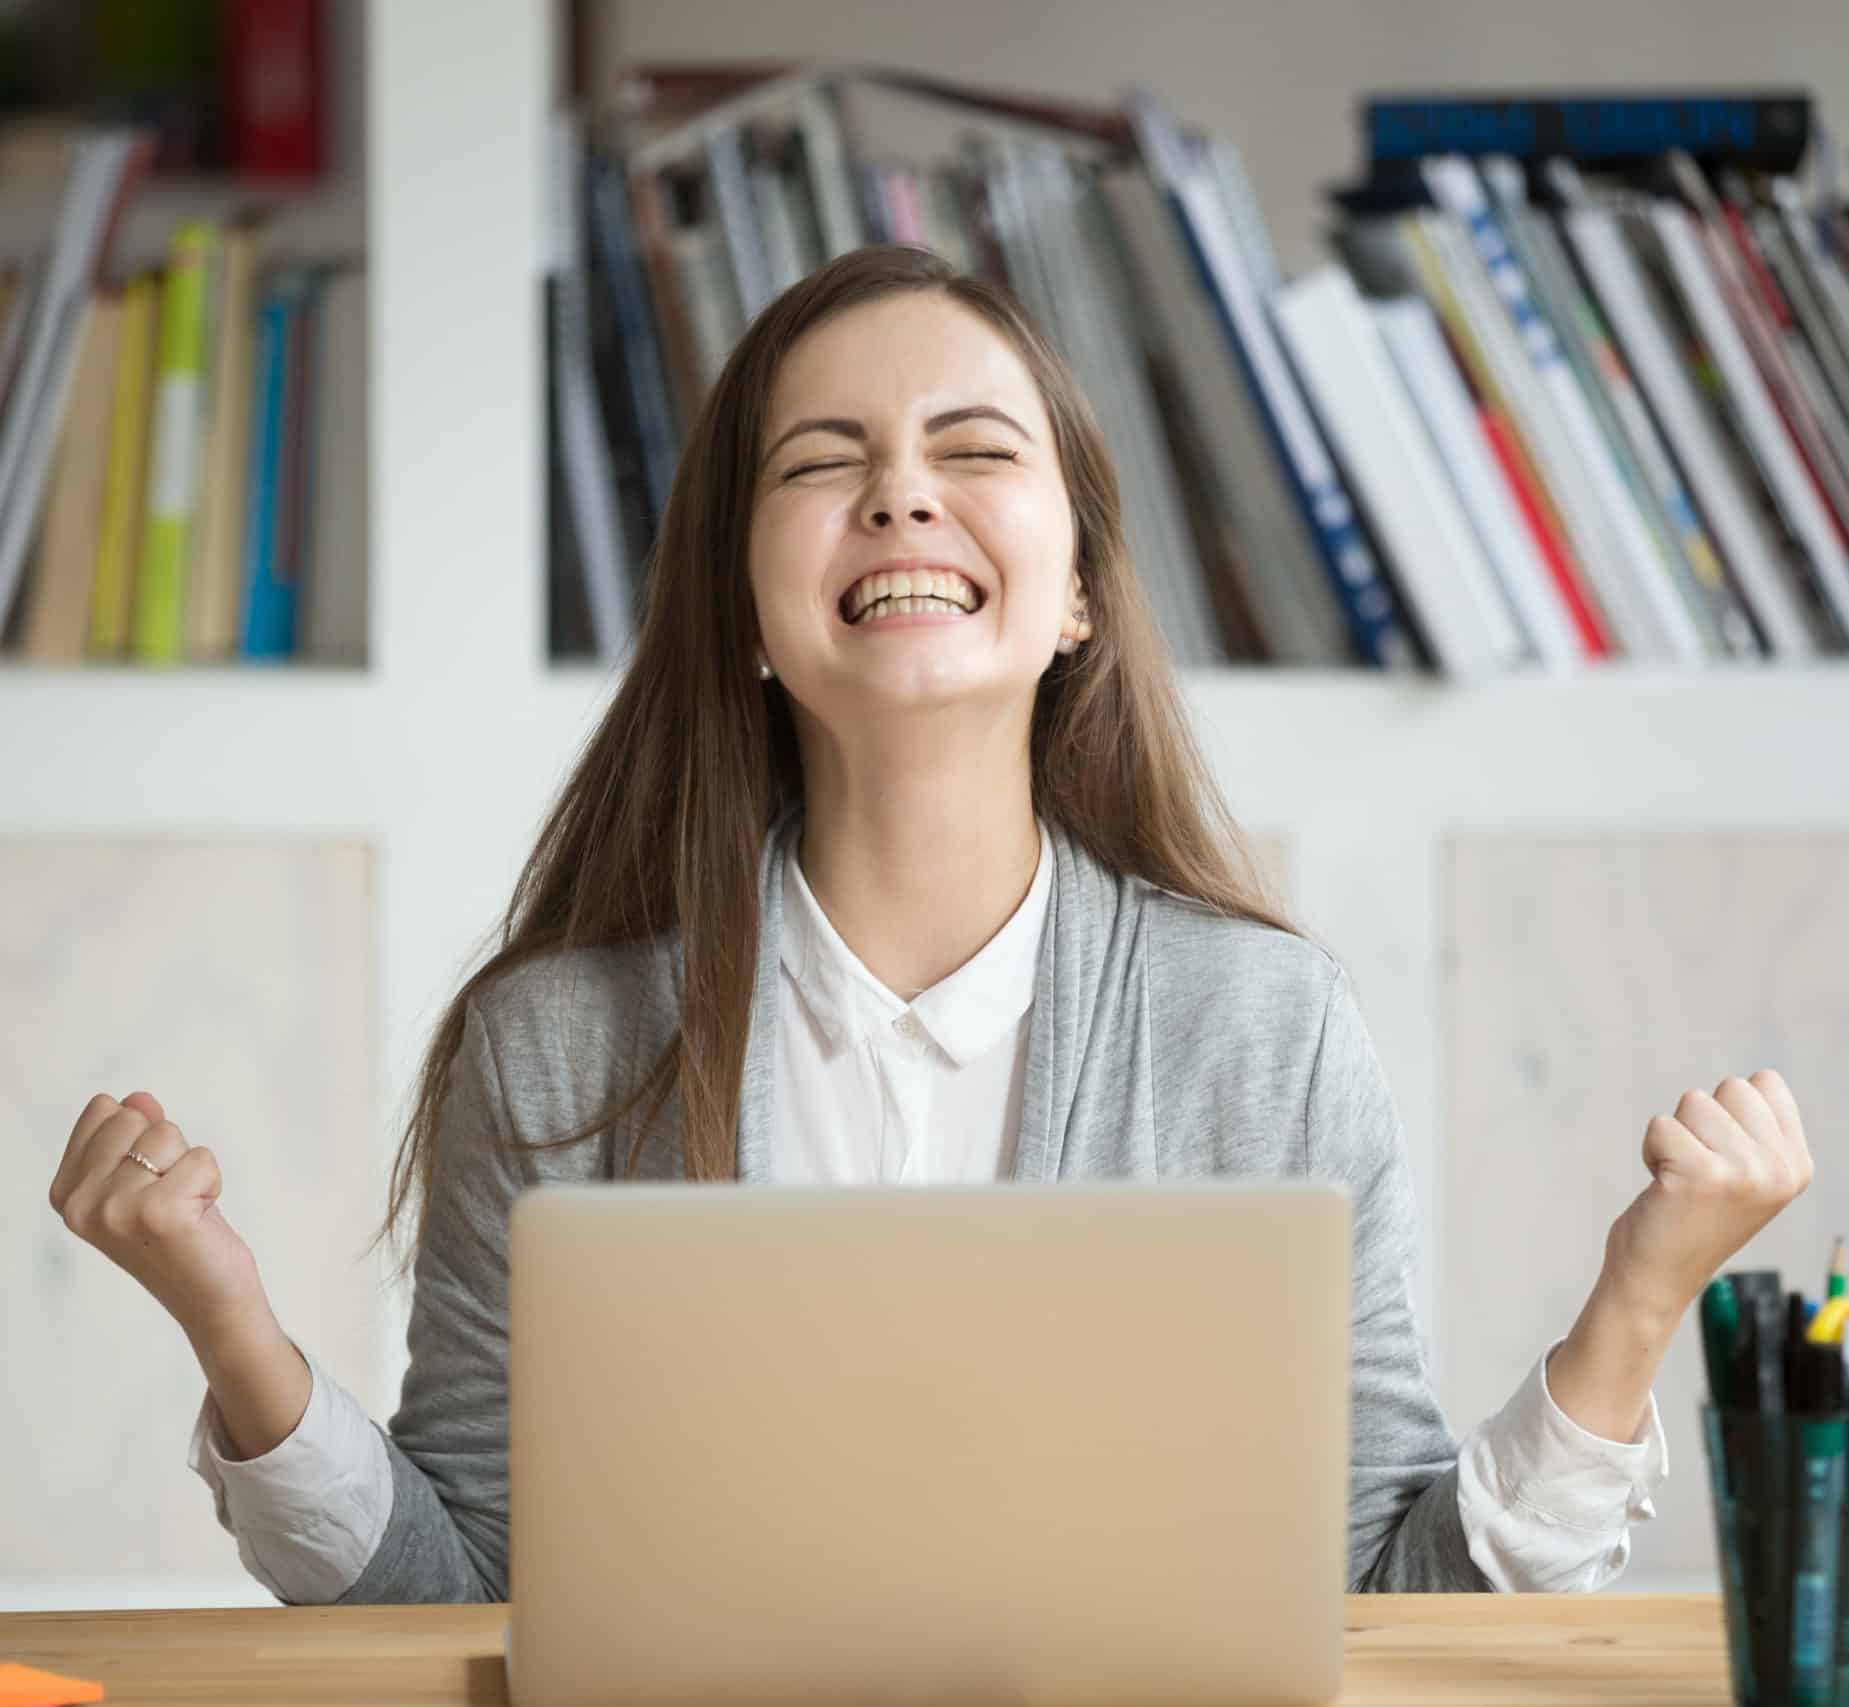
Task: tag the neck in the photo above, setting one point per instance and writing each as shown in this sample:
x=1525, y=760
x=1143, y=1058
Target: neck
x=918, y=871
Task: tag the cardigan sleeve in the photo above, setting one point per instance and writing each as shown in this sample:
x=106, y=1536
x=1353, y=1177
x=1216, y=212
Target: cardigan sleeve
x=447, y=1538
x=1404, y=1529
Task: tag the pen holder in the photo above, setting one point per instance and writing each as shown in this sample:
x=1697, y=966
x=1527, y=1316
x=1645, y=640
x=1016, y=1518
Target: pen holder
x=1777, y=1485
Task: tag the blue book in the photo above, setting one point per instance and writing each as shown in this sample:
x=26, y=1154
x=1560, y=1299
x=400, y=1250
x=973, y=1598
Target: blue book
x=651, y=398
x=269, y=587
x=1767, y=129
x=1377, y=623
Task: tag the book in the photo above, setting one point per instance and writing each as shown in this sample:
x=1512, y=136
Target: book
x=105, y=166
x=1625, y=294
x=1068, y=271
x=1414, y=339
x=1296, y=616
x=1630, y=429
x=175, y=450
x=118, y=551
x=1393, y=254
x=1630, y=567
x=1775, y=452
x=1770, y=127
x=619, y=282
x=590, y=477
x=332, y=610
x=267, y=626
x=276, y=76
x=1376, y=621
x=58, y=587
x=215, y=582
x=1463, y=611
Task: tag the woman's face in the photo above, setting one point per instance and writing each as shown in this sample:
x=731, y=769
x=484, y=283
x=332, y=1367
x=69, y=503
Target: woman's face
x=871, y=452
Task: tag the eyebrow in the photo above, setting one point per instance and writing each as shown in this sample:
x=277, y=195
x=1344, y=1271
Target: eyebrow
x=855, y=430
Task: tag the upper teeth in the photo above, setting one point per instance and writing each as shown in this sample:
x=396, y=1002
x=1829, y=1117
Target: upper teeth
x=918, y=583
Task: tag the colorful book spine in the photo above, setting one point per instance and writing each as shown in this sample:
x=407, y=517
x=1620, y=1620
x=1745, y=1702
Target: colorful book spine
x=269, y=599
x=1632, y=570
x=118, y=546
x=177, y=445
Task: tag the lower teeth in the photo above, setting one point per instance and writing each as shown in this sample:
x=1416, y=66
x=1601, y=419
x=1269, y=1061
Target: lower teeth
x=905, y=607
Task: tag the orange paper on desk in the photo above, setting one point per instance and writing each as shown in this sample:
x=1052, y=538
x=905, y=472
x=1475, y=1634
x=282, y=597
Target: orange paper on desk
x=22, y=1686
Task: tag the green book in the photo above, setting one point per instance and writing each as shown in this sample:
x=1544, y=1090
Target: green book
x=177, y=442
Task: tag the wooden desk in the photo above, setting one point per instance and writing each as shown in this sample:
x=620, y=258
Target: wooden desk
x=1411, y=1650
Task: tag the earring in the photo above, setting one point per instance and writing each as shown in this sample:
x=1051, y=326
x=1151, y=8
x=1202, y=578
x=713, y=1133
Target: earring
x=1070, y=642
x=764, y=671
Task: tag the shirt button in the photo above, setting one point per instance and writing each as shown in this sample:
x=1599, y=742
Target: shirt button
x=905, y=1025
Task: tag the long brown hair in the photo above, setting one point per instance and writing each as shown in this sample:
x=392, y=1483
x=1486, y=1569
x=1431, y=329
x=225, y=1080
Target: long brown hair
x=661, y=825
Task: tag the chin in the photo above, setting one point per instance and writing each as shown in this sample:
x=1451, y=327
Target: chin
x=924, y=688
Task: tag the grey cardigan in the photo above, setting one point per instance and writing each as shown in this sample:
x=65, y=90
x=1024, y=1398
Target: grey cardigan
x=1165, y=1041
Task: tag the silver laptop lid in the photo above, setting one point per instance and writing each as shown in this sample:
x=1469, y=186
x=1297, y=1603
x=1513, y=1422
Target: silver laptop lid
x=1084, y=1441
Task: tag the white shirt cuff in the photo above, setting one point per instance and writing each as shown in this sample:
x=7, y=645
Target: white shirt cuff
x=1546, y=1506
x=309, y=1513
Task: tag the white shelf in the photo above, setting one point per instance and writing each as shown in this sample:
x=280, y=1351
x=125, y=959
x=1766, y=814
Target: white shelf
x=340, y=750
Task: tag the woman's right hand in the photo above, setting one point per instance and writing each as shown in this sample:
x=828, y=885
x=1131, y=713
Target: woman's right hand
x=168, y=1233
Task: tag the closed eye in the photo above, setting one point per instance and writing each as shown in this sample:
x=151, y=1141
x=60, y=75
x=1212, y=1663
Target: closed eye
x=1002, y=455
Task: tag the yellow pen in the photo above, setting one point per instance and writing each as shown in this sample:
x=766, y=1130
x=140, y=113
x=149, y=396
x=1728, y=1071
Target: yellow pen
x=1826, y=1326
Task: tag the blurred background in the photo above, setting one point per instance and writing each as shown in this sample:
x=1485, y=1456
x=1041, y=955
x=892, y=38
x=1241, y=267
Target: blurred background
x=1478, y=377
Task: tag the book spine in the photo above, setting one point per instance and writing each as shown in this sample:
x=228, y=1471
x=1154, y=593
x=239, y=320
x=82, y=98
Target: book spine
x=1414, y=340
x=276, y=69
x=1769, y=130
x=1504, y=446
x=1648, y=474
x=1376, y=624
x=1615, y=275
x=831, y=176
x=1449, y=264
x=269, y=617
x=212, y=595
x=173, y=467
x=738, y=226
x=1774, y=447
x=1634, y=579
x=640, y=340
x=1411, y=501
x=118, y=548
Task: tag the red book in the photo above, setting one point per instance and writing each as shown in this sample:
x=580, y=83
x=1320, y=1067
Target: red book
x=276, y=67
x=1586, y=621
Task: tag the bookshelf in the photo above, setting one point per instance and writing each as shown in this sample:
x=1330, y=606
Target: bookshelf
x=444, y=753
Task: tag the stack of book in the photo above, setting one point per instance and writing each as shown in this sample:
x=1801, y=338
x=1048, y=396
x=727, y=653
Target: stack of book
x=1574, y=385
x=182, y=450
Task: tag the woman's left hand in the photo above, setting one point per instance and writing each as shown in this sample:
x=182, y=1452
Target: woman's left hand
x=1721, y=1167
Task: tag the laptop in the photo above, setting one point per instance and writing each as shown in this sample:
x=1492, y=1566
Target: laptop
x=1082, y=1442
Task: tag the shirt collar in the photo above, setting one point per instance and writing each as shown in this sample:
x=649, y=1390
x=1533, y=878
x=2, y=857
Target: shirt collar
x=965, y=1014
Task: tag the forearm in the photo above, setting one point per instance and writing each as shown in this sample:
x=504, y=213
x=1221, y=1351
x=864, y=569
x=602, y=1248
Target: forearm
x=1601, y=1374
x=259, y=1381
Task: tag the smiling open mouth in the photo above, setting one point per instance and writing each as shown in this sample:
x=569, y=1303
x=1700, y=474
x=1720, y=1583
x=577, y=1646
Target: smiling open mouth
x=880, y=596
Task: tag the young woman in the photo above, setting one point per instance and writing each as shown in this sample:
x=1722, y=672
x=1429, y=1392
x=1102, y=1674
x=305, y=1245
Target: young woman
x=894, y=860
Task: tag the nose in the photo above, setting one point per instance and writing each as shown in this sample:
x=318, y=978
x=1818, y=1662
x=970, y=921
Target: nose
x=896, y=493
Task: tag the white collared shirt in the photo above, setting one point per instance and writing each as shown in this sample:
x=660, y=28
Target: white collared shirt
x=872, y=1089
